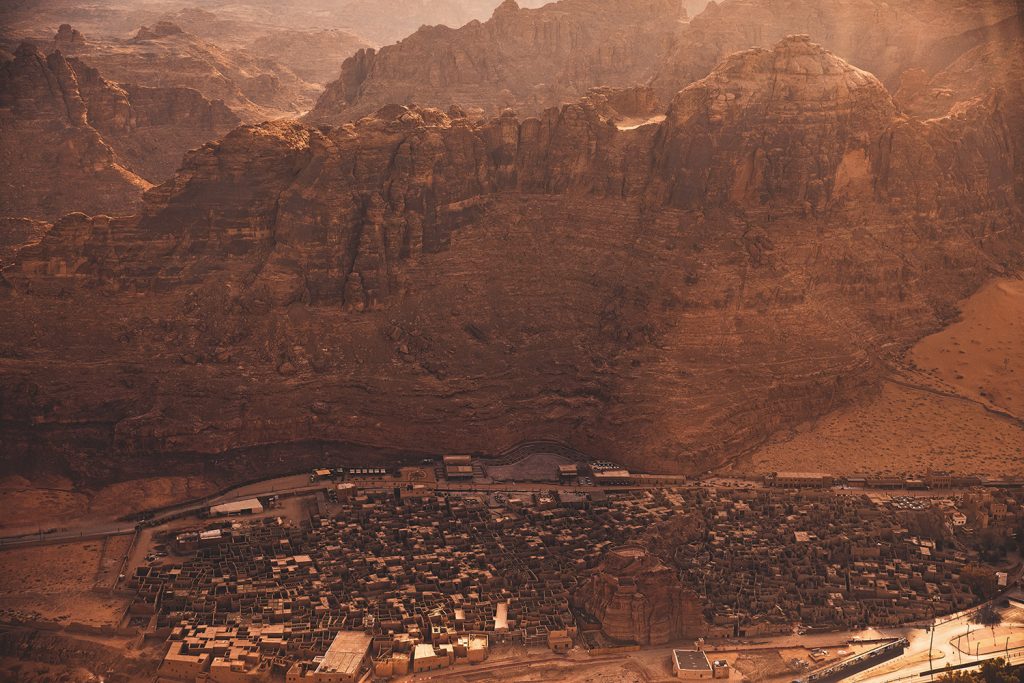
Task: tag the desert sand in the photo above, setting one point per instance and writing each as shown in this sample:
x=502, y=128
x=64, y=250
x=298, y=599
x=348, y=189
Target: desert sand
x=957, y=405
x=982, y=356
x=53, y=498
x=63, y=591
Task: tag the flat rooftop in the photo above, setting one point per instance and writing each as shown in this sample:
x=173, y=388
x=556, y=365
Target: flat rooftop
x=346, y=653
x=802, y=475
x=237, y=506
x=691, y=660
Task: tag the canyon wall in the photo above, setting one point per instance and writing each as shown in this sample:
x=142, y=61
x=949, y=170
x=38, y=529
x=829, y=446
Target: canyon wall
x=73, y=141
x=668, y=295
x=529, y=59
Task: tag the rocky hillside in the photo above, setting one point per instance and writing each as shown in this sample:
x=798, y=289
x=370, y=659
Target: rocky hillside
x=72, y=141
x=164, y=55
x=533, y=59
x=51, y=159
x=668, y=295
x=529, y=59
x=884, y=37
x=315, y=56
x=991, y=60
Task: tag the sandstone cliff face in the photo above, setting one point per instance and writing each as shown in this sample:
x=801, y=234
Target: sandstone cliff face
x=163, y=55
x=987, y=69
x=51, y=159
x=73, y=141
x=798, y=144
x=638, y=599
x=16, y=233
x=150, y=129
x=432, y=283
x=523, y=58
x=514, y=58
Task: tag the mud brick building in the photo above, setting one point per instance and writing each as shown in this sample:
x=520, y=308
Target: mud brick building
x=459, y=575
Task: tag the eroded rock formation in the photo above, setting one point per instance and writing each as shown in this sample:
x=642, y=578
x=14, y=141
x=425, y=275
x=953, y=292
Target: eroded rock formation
x=164, y=55
x=73, y=141
x=639, y=599
x=668, y=295
x=51, y=159
x=529, y=59
x=533, y=59
x=884, y=37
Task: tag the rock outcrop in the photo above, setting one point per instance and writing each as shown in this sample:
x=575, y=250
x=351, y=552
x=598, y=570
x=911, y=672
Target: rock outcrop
x=528, y=59
x=51, y=159
x=667, y=295
x=533, y=59
x=638, y=599
x=164, y=55
x=990, y=62
x=150, y=129
x=16, y=233
x=315, y=56
x=73, y=141
x=884, y=37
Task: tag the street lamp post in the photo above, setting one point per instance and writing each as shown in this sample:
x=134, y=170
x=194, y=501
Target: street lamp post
x=931, y=643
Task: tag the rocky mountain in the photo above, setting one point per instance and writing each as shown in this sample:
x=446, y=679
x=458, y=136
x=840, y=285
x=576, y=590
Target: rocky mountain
x=989, y=60
x=529, y=59
x=884, y=37
x=315, y=56
x=387, y=21
x=164, y=55
x=515, y=58
x=236, y=23
x=73, y=141
x=45, y=134
x=667, y=295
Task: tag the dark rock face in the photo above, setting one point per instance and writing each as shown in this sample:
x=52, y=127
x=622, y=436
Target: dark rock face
x=528, y=59
x=73, y=141
x=436, y=283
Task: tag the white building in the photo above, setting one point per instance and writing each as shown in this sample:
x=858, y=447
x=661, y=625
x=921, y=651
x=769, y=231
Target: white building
x=251, y=506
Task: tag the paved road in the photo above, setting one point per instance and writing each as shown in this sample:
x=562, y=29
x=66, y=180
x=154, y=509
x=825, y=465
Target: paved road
x=64, y=531
x=915, y=661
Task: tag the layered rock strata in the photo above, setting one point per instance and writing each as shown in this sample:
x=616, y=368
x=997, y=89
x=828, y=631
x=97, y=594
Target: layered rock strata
x=529, y=59
x=668, y=295
x=163, y=55
x=73, y=141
